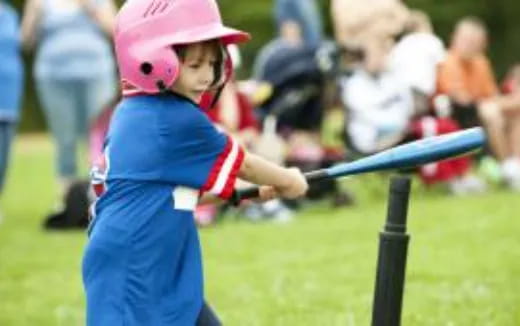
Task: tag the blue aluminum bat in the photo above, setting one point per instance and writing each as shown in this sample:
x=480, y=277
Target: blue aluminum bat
x=409, y=155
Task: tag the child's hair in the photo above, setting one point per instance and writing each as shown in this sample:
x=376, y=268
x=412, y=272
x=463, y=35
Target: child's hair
x=214, y=46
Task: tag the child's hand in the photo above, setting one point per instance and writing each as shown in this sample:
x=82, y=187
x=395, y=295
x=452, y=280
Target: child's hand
x=295, y=185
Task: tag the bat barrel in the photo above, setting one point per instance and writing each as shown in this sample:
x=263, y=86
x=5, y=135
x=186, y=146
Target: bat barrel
x=391, y=264
x=415, y=153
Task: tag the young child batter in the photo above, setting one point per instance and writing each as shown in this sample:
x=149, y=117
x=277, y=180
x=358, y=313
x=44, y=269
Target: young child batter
x=142, y=264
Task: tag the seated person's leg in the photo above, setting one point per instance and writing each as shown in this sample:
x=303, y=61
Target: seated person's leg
x=495, y=124
x=511, y=165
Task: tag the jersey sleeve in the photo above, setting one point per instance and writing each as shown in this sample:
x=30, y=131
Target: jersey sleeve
x=222, y=176
x=198, y=155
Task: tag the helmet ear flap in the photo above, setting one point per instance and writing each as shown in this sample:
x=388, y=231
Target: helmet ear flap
x=159, y=71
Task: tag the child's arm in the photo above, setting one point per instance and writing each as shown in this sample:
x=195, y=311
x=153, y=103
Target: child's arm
x=287, y=182
x=265, y=193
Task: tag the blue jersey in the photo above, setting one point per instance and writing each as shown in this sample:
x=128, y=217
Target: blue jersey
x=142, y=265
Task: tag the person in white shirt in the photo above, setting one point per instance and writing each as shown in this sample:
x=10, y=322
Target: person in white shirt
x=379, y=110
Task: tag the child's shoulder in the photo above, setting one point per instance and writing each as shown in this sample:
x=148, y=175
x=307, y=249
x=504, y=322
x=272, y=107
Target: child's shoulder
x=168, y=109
x=158, y=100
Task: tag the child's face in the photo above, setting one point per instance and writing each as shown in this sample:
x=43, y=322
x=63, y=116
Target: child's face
x=197, y=71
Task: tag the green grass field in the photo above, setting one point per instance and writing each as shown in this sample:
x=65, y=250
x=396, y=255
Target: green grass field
x=463, y=264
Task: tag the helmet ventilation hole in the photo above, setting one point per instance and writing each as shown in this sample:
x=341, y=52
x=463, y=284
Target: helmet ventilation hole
x=146, y=68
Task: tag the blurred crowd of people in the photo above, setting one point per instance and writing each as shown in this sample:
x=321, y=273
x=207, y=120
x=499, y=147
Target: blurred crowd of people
x=384, y=78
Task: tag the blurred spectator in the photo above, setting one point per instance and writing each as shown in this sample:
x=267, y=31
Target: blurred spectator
x=11, y=80
x=299, y=26
x=305, y=13
x=501, y=117
x=74, y=69
x=388, y=103
x=379, y=108
x=416, y=58
x=288, y=64
x=364, y=26
x=467, y=78
x=295, y=107
x=379, y=103
x=466, y=75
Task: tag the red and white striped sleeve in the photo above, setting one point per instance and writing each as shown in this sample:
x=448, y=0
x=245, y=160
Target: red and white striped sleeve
x=221, y=179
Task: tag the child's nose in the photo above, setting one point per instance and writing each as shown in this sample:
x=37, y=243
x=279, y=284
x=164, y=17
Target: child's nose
x=208, y=76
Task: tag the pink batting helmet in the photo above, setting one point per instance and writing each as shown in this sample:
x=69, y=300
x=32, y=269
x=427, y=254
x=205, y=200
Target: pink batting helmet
x=146, y=30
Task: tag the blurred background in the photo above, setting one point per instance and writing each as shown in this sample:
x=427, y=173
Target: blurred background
x=500, y=17
x=321, y=82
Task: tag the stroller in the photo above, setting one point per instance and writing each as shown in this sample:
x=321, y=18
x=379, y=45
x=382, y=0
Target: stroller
x=304, y=86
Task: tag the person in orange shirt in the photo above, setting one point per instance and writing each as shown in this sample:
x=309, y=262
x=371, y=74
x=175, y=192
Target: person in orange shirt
x=466, y=75
x=467, y=78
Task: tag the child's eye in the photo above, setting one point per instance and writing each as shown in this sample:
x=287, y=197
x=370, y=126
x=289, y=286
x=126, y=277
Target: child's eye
x=194, y=66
